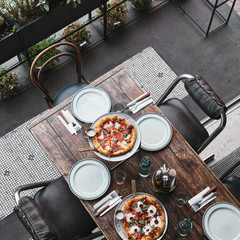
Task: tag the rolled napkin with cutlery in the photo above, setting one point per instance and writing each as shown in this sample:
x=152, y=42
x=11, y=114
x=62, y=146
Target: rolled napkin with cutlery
x=107, y=203
x=141, y=104
x=202, y=198
x=69, y=122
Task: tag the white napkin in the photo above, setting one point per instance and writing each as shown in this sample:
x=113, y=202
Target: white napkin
x=195, y=199
x=66, y=125
x=140, y=105
x=71, y=119
x=198, y=196
x=112, y=206
x=105, y=200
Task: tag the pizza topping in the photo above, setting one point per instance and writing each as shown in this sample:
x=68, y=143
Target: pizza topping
x=152, y=210
x=101, y=137
x=129, y=217
x=103, y=142
x=114, y=140
x=117, y=125
x=108, y=147
x=134, y=229
x=147, y=229
x=156, y=222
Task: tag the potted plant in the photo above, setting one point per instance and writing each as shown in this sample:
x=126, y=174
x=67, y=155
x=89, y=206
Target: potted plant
x=140, y=4
x=115, y=17
x=77, y=34
x=8, y=84
x=37, y=48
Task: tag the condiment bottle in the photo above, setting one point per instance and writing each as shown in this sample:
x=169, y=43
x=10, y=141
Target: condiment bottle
x=145, y=167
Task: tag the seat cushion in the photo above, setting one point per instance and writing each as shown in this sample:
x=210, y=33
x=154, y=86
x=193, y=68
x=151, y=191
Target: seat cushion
x=185, y=122
x=67, y=92
x=34, y=220
x=232, y=183
x=64, y=211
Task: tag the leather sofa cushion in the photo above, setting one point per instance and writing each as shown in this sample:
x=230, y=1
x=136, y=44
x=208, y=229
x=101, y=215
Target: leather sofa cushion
x=33, y=219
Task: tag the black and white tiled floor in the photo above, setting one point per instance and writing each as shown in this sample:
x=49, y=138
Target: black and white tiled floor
x=23, y=161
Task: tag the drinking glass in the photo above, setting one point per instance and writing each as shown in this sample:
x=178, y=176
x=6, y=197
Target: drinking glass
x=120, y=177
x=184, y=227
x=118, y=107
x=181, y=199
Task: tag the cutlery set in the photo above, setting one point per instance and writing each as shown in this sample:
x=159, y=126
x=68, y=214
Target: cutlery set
x=202, y=198
x=107, y=203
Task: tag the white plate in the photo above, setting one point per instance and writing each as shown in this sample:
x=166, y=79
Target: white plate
x=119, y=223
x=127, y=154
x=90, y=103
x=89, y=179
x=221, y=221
x=156, y=132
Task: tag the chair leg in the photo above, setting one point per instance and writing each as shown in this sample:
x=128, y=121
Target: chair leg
x=209, y=158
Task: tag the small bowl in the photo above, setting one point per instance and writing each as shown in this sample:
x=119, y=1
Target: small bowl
x=119, y=215
x=90, y=132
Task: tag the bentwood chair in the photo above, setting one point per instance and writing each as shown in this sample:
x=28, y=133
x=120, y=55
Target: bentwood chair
x=184, y=120
x=54, y=213
x=67, y=91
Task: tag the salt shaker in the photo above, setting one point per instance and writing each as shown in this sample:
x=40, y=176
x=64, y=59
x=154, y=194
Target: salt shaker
x=184, y=227
x=145, y=166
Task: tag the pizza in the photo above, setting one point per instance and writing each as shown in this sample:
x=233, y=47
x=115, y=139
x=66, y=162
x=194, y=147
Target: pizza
x=144, y=218
x=114, y=136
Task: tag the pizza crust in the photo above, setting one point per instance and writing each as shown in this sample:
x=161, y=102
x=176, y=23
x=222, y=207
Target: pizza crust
x=114, y=136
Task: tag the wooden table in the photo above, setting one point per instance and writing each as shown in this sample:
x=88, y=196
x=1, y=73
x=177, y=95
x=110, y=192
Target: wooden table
x=192, y=173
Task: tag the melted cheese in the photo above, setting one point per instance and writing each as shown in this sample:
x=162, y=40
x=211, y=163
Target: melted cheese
x=123, y=144
x=109, y=124
x=134, y=229
x=147, y=229
x=101, y=137
x=129, y=216
x=137, y=206
x=108, y=147
x=152, y=210
x=153, y=221
x=117, y=125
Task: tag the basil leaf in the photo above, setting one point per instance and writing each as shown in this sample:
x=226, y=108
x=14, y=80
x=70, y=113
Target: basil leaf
x=153, y=226
x=141, y=222
x=130, y=224
x=121, y=129
x=136, y=205
x=114, y=140
x=145, y=207
x=103, y=142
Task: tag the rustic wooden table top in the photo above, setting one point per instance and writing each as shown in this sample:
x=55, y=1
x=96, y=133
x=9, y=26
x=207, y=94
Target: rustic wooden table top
x=192, y=173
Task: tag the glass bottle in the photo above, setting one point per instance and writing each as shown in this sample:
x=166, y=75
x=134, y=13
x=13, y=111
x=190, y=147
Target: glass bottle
x=145, y=166
x=184, y=227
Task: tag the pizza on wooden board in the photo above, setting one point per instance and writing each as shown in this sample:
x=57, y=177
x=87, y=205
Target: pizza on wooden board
x=144, y=218
x=114, y=136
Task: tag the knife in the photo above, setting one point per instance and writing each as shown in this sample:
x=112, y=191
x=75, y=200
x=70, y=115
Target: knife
x=204, y=195
x=107, y=206
x=137, y=100
x=110, y=196
x=112, y=206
